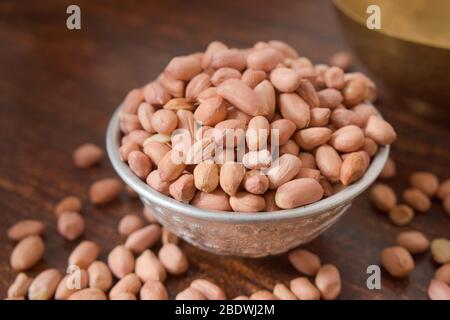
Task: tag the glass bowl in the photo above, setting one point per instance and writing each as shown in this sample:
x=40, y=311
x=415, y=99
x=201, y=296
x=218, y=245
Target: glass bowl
x=256, y=234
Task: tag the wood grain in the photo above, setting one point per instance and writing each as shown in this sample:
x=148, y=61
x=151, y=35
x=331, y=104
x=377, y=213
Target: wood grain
x=58, y=89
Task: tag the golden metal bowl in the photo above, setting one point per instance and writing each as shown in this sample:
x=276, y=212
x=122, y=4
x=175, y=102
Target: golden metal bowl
x=411, y=51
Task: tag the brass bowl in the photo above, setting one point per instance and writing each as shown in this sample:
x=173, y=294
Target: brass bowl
x=411, y=51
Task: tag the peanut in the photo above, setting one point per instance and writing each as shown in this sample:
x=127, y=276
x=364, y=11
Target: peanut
x=401, y=215
x=153, y=290
x=265, y=59
x=216, y=200
x=283, y=169
x=173, y=259
x=197, y=84
x=190, y=294
x=328, y=281
x=183, y=189
x=149, y=267
x=222, y=74
x=20, y=286
x=383, y=197
x=206, y=176
x=441, y=274
x=426, y=182
x=285, y=79
x=329, y=98
x=130, y=283
x=294, y=108
x=68, y=285
x=320, y=117
x=225, y=100
x=298, y=192
x=342, y=59
x=211, y=111
x=210, y=290
x=184, y=68
x=389, y=170
x=132, y=100
x=25, y=228
x=139, y=163
x=311, y=138
x=247, y=202
x=130, y=223
x=307, y=92
x=397, y=261
x=87, y=155
x=440, y=249
x=380, y=131
x=285, y=129
x=242, y=97
x=164, y=121
x=257, y=133
x=438, y=290
x=227, y=58
x=84, y=254
x=121, y=261
x=154, y=181
x=253, y=77
x=417, y=199
x=413, y=241
x=329, y=162
x=71, y=225
x=305, y=261
x=70, y=203
x=100, y=277
x=44, y=285
x=290, y=147
x=347, y=139
x=283, y=293
x=231, y=176
x=27, y=253
x=304, y=289
x=344, y=117
x=88, y=294
x=444, y=189
x=143, y=238
x=170, y=166
x=255, y=182
x=263, y=295
x=105, y=191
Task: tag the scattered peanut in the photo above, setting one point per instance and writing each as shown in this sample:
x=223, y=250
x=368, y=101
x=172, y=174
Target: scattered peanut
x=305, y=261
x=84, y=254
x=413, y=241
x=71, y=225
x=87, y=155
x=25, y=228
x=383, y=197
x=27, y=253
x=440, y=249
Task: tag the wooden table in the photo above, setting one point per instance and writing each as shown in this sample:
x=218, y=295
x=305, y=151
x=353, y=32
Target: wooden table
x=58, y=89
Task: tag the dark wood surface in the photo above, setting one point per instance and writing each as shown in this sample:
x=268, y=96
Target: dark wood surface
x=58, y=89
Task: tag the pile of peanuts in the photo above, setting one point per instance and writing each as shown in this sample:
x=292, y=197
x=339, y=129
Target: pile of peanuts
x=398, y=260
x=132, y=270
x=207, y=131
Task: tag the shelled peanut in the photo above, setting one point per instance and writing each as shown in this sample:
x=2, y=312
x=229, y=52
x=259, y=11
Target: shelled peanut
x=209, y=129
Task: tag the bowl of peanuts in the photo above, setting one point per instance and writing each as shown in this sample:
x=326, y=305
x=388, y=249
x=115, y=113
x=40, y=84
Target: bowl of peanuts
x=249, y=152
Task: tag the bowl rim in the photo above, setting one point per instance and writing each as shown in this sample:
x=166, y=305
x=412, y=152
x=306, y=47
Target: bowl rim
x=307, y=211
